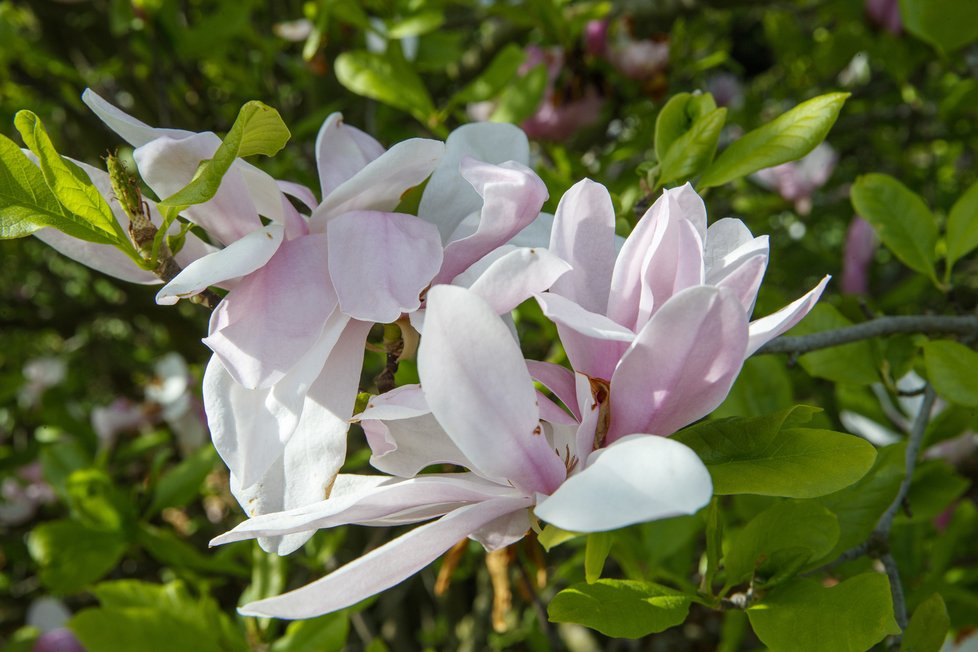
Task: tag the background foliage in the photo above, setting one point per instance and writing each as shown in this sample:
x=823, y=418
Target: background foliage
x=116, y=527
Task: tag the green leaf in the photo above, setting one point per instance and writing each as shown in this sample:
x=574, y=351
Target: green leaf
x=71, y=555
x=928, y=627
x=172, y=551
x=945, y=24
x=95, y=502
x=324, y=634
x=595, y=553
x=856, y=363
x=762, y=387
x=859, y=506
x=804, y=616
x=521, y=97
x=962, y=226
x=951, y=369
x=180, y=484
x=500, y=72
x=788, y=137
x=693, y=150
x=714, y=543
x=258, y=129
x=769, y=457
x=620, y=608
x=901, y=219
x=776, y=543
x=676, y=118
x=423, y=22
x=934, y=488
x=385, y=78
x=552, y=536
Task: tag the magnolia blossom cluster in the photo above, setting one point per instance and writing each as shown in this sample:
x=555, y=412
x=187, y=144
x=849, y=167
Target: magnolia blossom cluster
x=656, y=329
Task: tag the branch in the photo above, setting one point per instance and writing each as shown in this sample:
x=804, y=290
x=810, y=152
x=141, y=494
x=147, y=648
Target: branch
x=929, y=324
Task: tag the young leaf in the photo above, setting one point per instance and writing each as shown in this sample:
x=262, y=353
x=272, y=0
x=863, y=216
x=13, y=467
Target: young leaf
x=620, y=608
x=69, y=183
x=693, y=150
x=595, y=553
x=804, y=616
x=928, y=627
x=385, y=78
x=769, y=457
x=951, y=369
x=901, y=219
x=786, y=138
x=945, y=24
x=962, y=226
x=676, y=118
x=258, y=129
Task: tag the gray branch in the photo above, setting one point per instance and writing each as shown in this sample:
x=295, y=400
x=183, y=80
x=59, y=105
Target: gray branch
x=966, y=325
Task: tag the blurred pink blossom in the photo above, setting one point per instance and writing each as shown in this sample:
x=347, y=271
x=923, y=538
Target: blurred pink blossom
x=885, y=14
x=23, y=494
x=596, y=37
x=562, y=112
x=796, y=181
x=638, y=59
x=861, y=245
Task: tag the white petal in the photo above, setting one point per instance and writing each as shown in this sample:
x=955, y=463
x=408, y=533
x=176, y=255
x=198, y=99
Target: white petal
x=566, y=312
x=765, y=329
x=639, y=478
x=517, y=276
x=133, y=131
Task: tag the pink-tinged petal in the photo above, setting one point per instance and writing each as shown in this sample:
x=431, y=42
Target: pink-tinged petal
x=639, y=478
x=723, y=238
x=553, y=413
x=341, y=152
x=274, y=315
x=300, y=192
x=448, y=198
x=236, y=260
x=167, y=165
x=559, y=380
x=675, y=264
x=744, y=280
x=263, y=190
x=372, y=500
x=404, y=402
x=591, y=414
x=568, y=313
x=681, y=364
x=626, y=279
x=517, y=276
x=380, y=262
x=512, y=196
x=381, y=184
x=689, y=206
x=306, y=470
x=584, y=235
x=385, y=566
x=503, y=531
x=765, y=329
x=478, y=387
x=133, y=131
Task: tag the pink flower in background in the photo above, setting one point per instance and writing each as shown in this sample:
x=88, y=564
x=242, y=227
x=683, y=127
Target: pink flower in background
x=596, y=37
x=796, y=181
x=860, y=247
x=23, y=494
x=638, y=59
x=484, y=411
x=565, y=109
x=885, y=14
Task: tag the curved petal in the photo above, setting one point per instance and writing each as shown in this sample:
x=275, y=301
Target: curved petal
x=274, y=315
x=380, y=262
x=448, y=198
x=237, y=259
x=744, y=280
x=383, y=567
x=765, y=329
x=568, y=313
x=559, y=380
x=479, y=389
x=512, y=195
x=639, y=478
x=553, y=413
x=380, y=185
x=133, y=131
x=681, y=365
x=341, y=152
x=405, y=445
x=675, y=264
x=729, y=241
x=516, y=276
x=300, y=192
x=584, y=235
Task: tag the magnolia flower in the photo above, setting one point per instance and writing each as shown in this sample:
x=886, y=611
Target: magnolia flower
x=860, y=248
x=170, y=390
x=795, y=181
x=484, y=411
x=662, y=328
x=122, y=415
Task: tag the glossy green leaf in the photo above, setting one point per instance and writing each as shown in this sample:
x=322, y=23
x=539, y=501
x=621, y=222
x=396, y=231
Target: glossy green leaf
x=552, y=536
x=595, y=553
x=962, y=226
x=620, y=608
x=258, y=129
x=521, y=97
x=72, y=556
x=779, y=541
x=324, y=634
x=491, y=81
x=951, y=369
x=927, y=627
x=26, y=203
x=693, y=150
x=788, y=137
x=804, y=616
x=676, y=118
x=901, y=219
x=945, y=24
x=770, y=457
x=385, y=78
x=856, y=363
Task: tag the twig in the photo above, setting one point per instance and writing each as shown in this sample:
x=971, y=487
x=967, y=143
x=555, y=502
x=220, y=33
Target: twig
x=931, y=324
